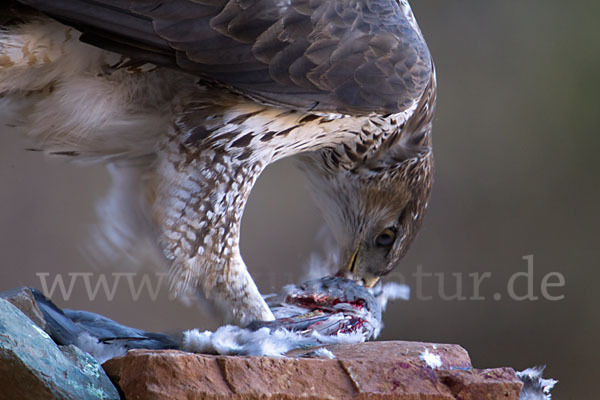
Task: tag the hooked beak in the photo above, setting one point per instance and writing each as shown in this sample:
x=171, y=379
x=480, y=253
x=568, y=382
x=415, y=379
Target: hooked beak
x=367, y=280
x=370, y=281
x=353, y=261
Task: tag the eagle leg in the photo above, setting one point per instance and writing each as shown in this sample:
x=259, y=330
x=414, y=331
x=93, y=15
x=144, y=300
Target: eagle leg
x=200, y=196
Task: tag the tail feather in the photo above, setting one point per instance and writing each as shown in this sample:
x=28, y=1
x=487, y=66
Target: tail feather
x=102, y=337
x=126, y=229
x=75, y=99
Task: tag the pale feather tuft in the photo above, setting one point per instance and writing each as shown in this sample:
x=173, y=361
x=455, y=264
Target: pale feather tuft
x=535, y=387
x=100, y=351
x=71, y=101
x=233, y=340
x=432, y=360
x=36, y=54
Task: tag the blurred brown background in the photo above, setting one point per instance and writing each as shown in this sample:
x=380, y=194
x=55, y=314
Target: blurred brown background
x=516, y=143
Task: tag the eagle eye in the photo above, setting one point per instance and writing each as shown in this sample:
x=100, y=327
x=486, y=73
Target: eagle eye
x=386, y=238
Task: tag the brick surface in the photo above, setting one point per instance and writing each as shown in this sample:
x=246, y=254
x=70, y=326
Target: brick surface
x=145, y=374
x=398, y=380
x=289, y=378
x=489, y=384
x=452, y=355
x=374, y=370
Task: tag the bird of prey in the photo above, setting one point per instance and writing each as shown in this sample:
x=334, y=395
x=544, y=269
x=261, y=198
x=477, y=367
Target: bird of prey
x=188, y=101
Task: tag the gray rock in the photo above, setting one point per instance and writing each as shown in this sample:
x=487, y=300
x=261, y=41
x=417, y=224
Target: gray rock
x=23, y=299
x=32, y=366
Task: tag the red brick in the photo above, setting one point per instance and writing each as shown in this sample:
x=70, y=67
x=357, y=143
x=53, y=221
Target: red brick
x=374, y=370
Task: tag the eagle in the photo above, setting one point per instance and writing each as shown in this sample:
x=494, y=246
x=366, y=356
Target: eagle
x=187, y=102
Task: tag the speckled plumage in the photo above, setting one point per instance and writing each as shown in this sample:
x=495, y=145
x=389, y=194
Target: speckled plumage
x=189, y=101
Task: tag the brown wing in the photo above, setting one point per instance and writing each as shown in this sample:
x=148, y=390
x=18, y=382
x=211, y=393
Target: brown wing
x=348, y=56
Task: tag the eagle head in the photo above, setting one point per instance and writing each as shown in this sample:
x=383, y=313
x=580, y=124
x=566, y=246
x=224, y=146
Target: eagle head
x=373, y=198
x=374, y=215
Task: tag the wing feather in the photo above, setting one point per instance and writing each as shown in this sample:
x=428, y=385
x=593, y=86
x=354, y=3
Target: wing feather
x=349, y=56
